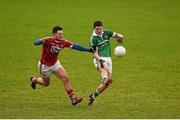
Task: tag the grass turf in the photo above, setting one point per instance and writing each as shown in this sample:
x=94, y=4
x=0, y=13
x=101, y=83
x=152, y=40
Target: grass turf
x=145, y=81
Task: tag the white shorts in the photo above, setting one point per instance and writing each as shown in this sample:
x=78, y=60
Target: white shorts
x=107, y=60
x=46, y=71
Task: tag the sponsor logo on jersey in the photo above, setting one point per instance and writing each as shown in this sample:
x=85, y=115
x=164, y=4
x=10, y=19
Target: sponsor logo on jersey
x=55, y=49
x=106, y=37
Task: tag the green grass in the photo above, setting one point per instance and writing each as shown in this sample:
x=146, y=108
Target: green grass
x=146, y=82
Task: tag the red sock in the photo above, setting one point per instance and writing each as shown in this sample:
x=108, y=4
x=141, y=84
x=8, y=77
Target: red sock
x=70, y=93
x=108, y=82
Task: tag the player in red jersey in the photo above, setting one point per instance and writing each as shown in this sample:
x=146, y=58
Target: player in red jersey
x=49, y=63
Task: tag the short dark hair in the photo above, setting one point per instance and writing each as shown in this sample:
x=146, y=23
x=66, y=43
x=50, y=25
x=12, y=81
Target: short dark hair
x=97, y=23
x=56, y=28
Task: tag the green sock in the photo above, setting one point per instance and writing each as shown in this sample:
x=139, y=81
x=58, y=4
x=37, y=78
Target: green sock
x=95, y=94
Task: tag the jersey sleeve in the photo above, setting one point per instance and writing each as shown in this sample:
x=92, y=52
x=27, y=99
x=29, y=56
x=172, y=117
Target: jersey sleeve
x=67, y=43
x=110, y=33
x=46, y=40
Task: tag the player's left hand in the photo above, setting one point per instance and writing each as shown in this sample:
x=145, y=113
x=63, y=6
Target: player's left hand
x=120, y=40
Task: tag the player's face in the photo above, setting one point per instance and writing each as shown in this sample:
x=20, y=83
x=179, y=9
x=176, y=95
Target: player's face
x=98, y=30
x=58, y=35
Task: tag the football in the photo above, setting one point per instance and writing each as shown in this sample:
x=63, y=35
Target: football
x=119, y=51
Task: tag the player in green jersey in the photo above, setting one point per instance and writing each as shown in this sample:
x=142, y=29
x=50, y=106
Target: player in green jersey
x=100, y=42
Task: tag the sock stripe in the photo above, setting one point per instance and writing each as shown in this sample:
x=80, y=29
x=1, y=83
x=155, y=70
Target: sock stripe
x=70, y=93
x=95, y=94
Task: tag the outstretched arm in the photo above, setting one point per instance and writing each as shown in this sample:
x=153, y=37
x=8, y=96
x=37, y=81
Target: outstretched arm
x=119, y=37
x=38, y=42
x=81, y=48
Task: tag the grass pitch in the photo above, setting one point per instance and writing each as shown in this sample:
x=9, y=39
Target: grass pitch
x=146, y=82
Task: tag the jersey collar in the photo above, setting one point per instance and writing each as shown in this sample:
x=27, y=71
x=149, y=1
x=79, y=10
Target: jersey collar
x=94, y=34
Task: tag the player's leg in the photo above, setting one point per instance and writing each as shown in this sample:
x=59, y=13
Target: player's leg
x=39, y=80
x=106, y=80
x=45, y=72
x=106, y=74
x=101, y=87
x=62, y=75
x=43, y=81
x=109, y=81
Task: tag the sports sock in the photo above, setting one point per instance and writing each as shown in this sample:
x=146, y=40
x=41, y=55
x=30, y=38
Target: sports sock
x=70, y=93
x=95, y=94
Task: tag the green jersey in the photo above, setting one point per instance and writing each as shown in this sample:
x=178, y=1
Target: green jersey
x=102, y=42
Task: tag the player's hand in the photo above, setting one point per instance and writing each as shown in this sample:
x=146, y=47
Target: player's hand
x=101, y=63
x=92, y=50
x=120, y=40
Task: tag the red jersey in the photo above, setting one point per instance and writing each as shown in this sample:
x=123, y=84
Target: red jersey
x=51, y=50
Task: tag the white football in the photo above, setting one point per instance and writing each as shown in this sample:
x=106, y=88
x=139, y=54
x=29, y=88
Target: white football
x=119, y=51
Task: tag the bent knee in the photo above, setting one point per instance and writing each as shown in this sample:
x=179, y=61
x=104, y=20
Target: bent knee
x=46, y=82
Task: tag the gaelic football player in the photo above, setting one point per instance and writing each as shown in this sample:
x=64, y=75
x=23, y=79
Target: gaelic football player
x=100, y=41
x=49, y=63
